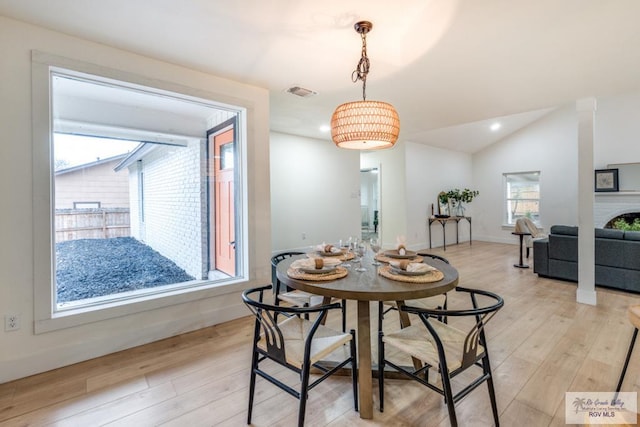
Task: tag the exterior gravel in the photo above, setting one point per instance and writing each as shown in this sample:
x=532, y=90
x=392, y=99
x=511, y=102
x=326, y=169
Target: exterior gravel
x=88, y=268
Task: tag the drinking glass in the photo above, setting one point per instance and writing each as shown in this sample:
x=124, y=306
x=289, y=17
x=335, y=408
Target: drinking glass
x=374, y=244
x=360, y=251
x=346, y=246
x=354, y=248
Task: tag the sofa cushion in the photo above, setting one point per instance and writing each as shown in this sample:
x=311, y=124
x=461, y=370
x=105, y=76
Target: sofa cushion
x=632, y=281
x=609, y=233
x=630, y=255
x=611, y=277
x=563, y=270
x=541, y=256
x=567, y=230
x=632, y=235
x=563, y=247
x=611, y=252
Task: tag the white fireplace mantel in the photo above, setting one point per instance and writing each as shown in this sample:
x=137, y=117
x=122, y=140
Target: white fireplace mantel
x=609, y=205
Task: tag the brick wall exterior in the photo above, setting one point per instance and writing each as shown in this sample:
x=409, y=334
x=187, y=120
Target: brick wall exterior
x=175, y=222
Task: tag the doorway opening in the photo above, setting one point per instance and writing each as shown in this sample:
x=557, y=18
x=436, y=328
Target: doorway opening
x=370, y=203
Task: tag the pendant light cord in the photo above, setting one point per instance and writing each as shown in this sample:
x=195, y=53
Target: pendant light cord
x=362, y=69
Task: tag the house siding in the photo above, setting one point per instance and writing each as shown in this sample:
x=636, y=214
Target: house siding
x=94, y=183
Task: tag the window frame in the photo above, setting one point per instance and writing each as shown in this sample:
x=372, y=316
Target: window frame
x=47, y=317
x=505, y=197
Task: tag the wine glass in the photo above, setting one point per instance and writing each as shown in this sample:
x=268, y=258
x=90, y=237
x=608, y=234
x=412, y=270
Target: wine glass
x=346, y=247
x=360, y=251
x=354, y=248
x=374, y=244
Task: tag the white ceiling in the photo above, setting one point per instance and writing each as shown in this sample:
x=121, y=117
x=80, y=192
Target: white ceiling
x=450, y=67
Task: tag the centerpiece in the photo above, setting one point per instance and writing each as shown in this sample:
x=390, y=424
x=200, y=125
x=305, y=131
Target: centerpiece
x=455, y=198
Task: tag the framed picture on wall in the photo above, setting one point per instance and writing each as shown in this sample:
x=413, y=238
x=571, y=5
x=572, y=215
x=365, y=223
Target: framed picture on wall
x=606, y=180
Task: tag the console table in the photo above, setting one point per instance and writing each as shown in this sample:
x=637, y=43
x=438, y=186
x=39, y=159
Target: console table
x=443, y=222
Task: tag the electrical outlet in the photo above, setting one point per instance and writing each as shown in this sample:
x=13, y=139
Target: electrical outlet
x=11, y=322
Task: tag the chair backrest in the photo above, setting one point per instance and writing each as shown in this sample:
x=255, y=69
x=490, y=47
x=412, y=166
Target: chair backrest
x=433, y=256
x=267, y=326
x=274, y=264
x=475, y=337
x=527, y=226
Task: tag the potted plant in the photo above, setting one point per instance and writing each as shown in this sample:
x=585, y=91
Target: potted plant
x=457, y=197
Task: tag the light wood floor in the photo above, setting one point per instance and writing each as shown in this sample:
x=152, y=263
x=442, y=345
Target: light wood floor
x=542, y=344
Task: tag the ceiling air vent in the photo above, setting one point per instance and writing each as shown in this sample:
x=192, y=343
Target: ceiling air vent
x=301, y=92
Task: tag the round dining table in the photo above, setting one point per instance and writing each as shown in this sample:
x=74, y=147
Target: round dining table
x=364, y=287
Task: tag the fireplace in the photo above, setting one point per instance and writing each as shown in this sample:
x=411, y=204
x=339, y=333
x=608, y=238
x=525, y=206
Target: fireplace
x=628, y=218
x=608, y=207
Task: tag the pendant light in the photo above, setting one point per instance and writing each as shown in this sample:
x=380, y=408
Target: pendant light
x=364, y=125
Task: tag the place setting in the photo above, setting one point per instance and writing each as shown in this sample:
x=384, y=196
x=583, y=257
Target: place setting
x=318, y=267
x=327, y=250
x=399, y=253
x=405, y=270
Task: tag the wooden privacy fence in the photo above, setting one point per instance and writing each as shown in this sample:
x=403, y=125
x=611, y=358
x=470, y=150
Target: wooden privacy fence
x=102, y=223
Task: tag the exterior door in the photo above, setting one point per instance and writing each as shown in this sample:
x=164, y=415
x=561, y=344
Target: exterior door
x=222, y=247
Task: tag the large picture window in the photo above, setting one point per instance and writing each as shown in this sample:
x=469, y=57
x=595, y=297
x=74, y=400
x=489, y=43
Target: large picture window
x=521, y=196
x=141, y=156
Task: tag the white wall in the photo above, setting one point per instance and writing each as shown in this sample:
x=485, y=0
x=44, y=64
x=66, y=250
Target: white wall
x=315, y=191
x=550, y=146
x=393, y=209
x=431, y=170
x=617, y=130
x=23, y=352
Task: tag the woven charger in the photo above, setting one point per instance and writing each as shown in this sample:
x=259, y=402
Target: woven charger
x=294, y=273
x=432, y=276
x=388, y=259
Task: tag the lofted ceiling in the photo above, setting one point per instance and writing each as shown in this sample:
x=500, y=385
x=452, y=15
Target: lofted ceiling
x=450, y=67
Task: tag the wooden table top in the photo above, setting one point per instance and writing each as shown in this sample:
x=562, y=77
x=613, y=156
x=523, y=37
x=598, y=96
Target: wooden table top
x=369, y=285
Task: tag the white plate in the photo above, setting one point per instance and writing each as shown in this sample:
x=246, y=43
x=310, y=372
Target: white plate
x=324, y=270
x=408, y=273
x=330, y=253
x=394, y=254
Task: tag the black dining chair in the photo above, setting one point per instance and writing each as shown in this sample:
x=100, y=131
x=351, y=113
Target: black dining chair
x=296, y=297
x=449, y=350
x=297, y=344
x=436, y=301
x=633, y=314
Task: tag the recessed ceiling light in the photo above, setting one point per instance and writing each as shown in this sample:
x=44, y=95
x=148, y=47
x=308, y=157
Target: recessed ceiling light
x=495, y=126
x=325, y=128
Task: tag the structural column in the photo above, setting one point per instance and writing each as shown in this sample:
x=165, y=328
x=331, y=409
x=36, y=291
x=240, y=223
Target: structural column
x=586, y=293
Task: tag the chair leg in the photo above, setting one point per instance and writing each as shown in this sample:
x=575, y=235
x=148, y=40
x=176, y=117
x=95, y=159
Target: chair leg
x=344, y=315
x=354, y=369
x=626, y=362
x=304, y=391
x=528, y=253
x=381, y=365
x=252, y=383
x=448, y=397
x=492, y=392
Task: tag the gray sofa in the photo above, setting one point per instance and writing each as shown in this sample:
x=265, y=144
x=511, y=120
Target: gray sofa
x=617, y=256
